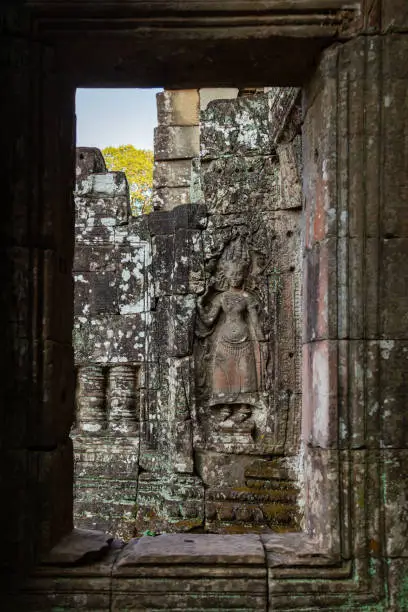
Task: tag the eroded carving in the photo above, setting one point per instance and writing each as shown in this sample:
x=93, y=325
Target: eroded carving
x=90, y=399
x=122, y=406
x=232, y=352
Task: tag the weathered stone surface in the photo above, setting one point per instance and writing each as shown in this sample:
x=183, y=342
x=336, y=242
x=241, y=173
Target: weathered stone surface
x=110, y=184
x=393, y=355
x=290, y=179
x=176, y=142
x=394, y=302
x=237, y=127
x=394, y=15
x=397, y=576
x=320, y=264
x=162, y=263
x=237, y=184
x=208, y=94
x=89, y=160
x=395, y=493
x=175, y=173
x=167, y=198
x=193, y=548
x=110, y=338
x=280, y=101
x=78, y=547
x=55, y=415
x=321, y=481
x=169, y=502
x=38, y=132
x=178, y=107
x=58, y=287
x=188, y=274
x=319, y=413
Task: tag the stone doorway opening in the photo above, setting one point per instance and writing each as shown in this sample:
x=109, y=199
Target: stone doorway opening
x=184, y=424
x=351, y=60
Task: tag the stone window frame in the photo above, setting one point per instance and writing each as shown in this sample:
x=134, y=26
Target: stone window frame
x=335, y=549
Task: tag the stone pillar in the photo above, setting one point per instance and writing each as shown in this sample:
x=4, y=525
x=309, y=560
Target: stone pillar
x=35, y=305
x=90, y=399
x=355, y=332
x=176, y=143
x=122, y=403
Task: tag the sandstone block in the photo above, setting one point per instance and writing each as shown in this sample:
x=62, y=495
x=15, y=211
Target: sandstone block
x=109, y=338
x=188, y=276
x=236, y=127
x=176, y=142
x=393, y=363
x=178, y=107
x=193, y=548
x=320, y=290
x=167, y=198
x=208, y=94
x=397, y=573
x=394, y=296
x=192, y=216
x=108, y=184
x=396, y=502
x=395, y=14
x=95, y=293
x=320, y=402
x=89, y=160
x=239, y=184
x=162, y=264
x=53, y=421
x=172, y=173
x=58, y=290
x=77, y=546
x=321, y=498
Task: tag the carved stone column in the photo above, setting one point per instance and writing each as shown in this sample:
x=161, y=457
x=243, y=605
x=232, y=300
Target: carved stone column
x=122, y=405
x=90, y=399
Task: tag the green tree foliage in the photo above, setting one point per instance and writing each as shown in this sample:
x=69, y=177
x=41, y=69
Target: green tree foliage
x=138, y=167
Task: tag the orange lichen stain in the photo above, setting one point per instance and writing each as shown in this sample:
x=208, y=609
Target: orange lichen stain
x=319, y=229
x=374, y=546
x=186, y=524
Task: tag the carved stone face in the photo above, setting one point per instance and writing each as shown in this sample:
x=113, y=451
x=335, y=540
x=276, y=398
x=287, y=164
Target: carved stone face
x=235, y=274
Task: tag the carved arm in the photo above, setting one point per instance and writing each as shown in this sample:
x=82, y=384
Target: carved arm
x=254, y=318
x=210, y=315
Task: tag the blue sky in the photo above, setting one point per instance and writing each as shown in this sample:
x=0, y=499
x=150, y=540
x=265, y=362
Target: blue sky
x=111, y=117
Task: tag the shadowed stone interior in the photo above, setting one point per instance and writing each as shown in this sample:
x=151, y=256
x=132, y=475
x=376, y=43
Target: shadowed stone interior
x=350, y=59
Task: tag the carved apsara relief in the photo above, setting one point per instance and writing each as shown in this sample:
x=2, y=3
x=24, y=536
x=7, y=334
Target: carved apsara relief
x=232, y=351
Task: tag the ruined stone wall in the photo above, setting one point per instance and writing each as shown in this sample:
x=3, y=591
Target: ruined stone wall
x=109, y=337
x=354, y=551
x=144, y=355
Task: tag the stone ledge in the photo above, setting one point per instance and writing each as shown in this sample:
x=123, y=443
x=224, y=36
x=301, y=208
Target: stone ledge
x=198, y=549
x=79, y=547
x=195, y=572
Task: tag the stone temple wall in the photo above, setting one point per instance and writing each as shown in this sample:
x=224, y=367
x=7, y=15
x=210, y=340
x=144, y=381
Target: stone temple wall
x=109, y=339
x=187, y=329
